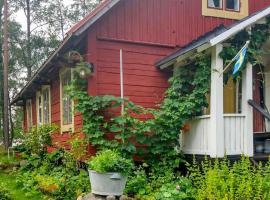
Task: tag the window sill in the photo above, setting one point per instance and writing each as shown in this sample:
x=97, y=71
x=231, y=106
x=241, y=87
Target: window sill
x=67, y=128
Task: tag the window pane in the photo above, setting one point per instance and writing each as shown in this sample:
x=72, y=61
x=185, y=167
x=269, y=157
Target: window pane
x=29, y=114
x=232, y=5
x=46, y=106
x=66, y=101
x=215, y=3
x=39, y=110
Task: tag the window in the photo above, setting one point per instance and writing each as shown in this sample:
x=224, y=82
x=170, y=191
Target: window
x=66, y=101
x=233, y=5
x=215, y=4
x=228, y=9
x=29, y=115
x=44, y=106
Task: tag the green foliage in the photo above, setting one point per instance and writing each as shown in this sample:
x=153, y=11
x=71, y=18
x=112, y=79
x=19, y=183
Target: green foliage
x=4, y=193
x=158, y=182
x=258, y=36
x=160, y=133
x=110, y=161
x=55, y=175
x=37, y=139
x=184, y=100
x=225, y=180
x=101, y=118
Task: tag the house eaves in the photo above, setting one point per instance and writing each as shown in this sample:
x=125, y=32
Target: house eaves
x=213, y=38
x=77, y=30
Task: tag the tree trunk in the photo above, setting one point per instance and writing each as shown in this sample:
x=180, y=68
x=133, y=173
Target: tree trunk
x=1, y=72
x=29, y=52
x=11, y=126
x=61, y=20
x=5, y=77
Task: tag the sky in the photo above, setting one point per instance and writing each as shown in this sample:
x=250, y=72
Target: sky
x=20, y=16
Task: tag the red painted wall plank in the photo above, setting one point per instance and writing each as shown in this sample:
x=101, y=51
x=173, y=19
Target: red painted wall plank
x=171, y=23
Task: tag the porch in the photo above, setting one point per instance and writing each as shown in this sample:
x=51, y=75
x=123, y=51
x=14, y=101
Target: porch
x=223, y=131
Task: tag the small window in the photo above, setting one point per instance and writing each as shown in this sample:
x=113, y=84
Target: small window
x=66, y=101
x=233, y=5
x=227, y=9
x=29, y=114
x=215, y=4
x=44, y=106
x=39, y=109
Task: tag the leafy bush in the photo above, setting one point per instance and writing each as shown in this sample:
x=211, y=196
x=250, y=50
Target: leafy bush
x=4, y=193
x=110, y=161
x=158, y=182
x=224, y=180
x=37, y=139
x=55, y=174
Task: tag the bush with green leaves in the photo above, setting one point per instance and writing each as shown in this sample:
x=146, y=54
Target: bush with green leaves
x=4, y=193
x=37, y=139
x=55, y=175
x=226, y=180
x=110, y=161
x=158, y=182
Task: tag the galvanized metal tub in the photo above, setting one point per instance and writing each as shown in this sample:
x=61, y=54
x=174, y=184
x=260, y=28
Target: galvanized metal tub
x=106, y=184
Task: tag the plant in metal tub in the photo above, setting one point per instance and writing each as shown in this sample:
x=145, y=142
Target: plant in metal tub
x=108, y=172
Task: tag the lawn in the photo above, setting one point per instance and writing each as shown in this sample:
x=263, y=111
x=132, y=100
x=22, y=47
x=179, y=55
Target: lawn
x=8, y=179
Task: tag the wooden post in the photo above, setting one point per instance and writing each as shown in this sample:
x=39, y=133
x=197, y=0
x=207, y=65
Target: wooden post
x=216, y=136
x=5, y=77
x=247, y=90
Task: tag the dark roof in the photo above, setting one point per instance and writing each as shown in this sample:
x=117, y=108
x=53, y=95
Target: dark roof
x=193, y=45
x=204, y=39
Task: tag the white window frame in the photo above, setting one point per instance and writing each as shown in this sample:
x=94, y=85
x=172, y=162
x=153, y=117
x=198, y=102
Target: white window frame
x=65, y=127
x=29, y=115
x=40, y=107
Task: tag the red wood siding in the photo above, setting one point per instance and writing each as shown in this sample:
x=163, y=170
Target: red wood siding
x=146, y=30
x=143, y=82
x=172, y=22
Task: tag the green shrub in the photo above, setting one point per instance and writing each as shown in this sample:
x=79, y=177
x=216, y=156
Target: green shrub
x=55, y=175
x=224, y=180
x=158, y=182
x=4, y=193
x=110, y=161
x=37, y=139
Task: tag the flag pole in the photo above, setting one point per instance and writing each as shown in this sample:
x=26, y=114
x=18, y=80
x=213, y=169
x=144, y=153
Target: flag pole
x=227, y=66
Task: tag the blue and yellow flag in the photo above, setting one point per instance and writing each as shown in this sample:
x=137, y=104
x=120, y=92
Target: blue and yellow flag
x=240, y=59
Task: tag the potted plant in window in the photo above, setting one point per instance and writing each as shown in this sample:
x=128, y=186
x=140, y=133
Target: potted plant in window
x=108, y=172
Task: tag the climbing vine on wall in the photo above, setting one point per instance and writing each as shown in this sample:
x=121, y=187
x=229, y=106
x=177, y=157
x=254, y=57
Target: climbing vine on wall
x=257, y=35
x=132, y=132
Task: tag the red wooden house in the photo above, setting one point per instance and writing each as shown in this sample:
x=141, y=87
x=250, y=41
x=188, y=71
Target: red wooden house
x=146, y=31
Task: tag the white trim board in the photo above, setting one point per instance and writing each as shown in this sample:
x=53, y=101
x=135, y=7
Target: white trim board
x=240, y=26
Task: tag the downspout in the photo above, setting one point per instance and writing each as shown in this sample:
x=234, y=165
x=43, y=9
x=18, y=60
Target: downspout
x=122, y=81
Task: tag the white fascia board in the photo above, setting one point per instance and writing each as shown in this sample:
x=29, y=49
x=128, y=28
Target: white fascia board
x=96, y=17
x=237, y=28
